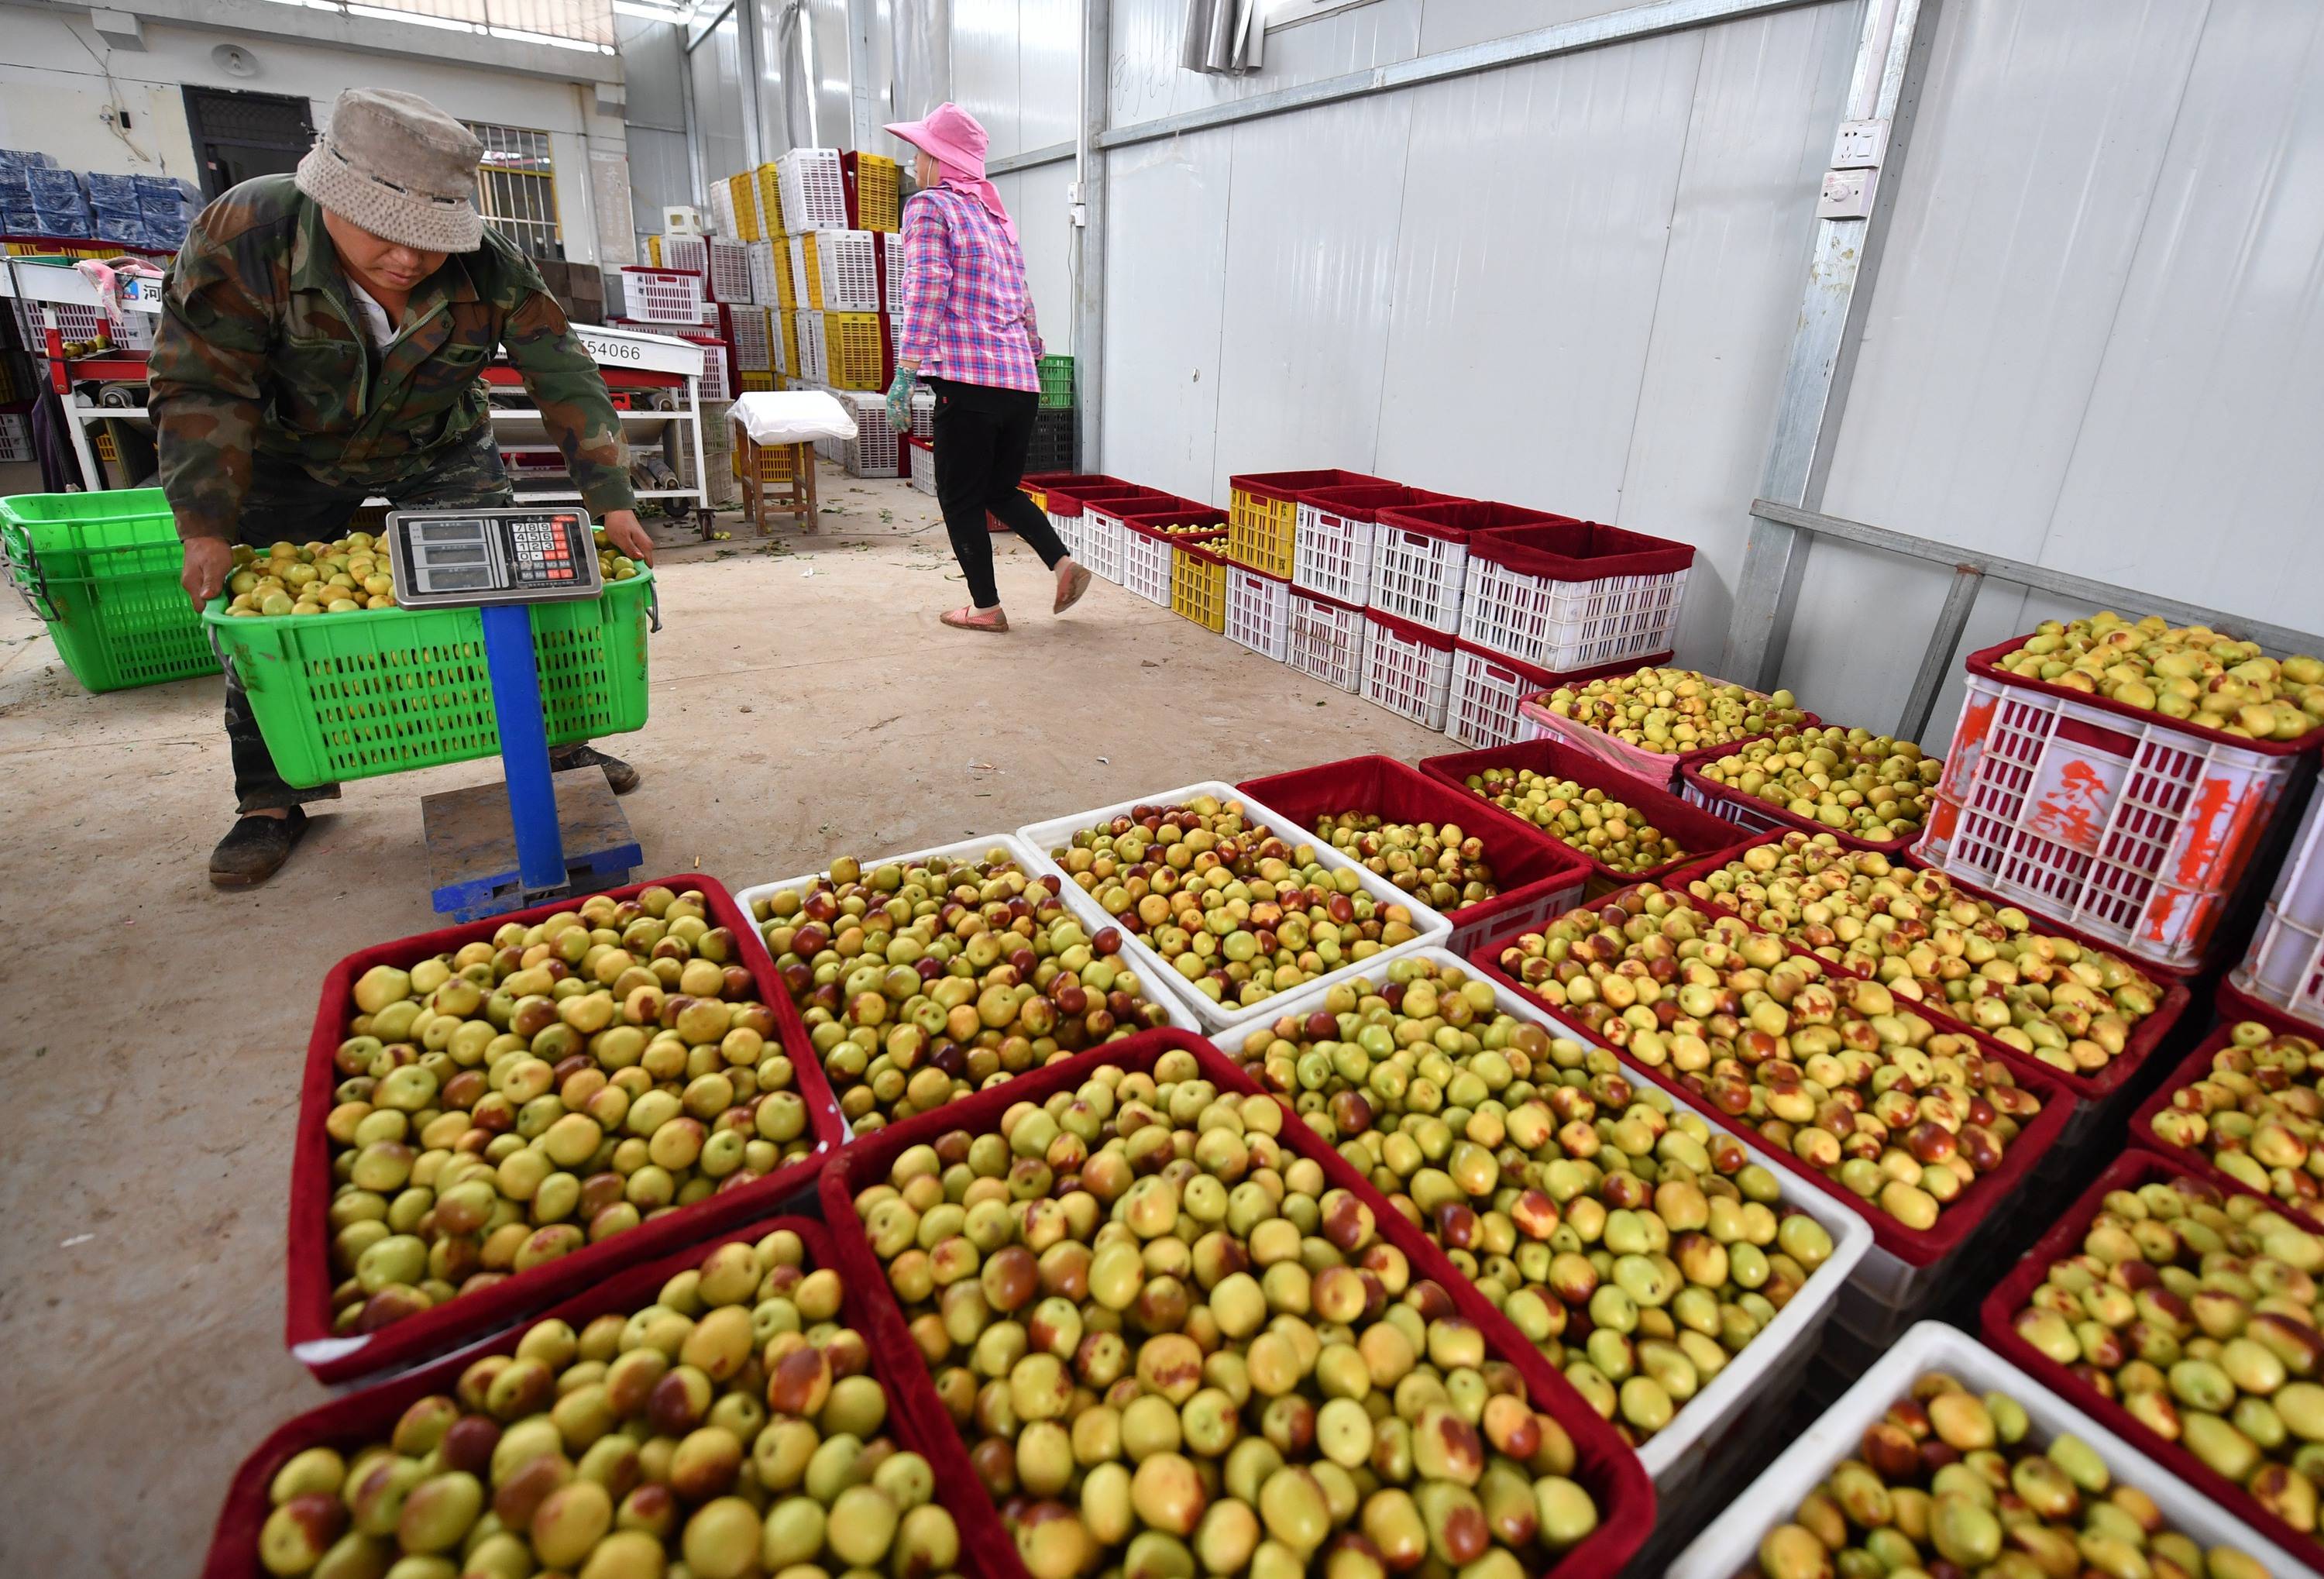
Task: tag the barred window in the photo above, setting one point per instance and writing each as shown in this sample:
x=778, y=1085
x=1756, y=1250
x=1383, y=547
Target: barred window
x=516, y=189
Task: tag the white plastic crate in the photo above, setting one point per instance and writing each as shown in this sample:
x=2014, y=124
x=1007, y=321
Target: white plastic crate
x=74, y=321
x=815, y=197
x=722, y=209
x=923, y=464
x=2285, y=963
x=1731, y=1544
x=814, y=365
x=1214, y=1018
x=874, y=452
x=766, y=257
x=894, y=257
x=661, y=296
x=806, y=266
x=1104, y=539
x=750, y=334
x=1407, y=670
x=1568, y=624
x=1068, y=528
x=1146, y=565
x=15, y=438
x=848, y=270
x=924, y=414
x=1326, y=639
x=1417, y=577
x=724, y=265
x=2135, y=831
x=718, y=380
x=1259, y=611
x=1481, y=709
x=1333, y=553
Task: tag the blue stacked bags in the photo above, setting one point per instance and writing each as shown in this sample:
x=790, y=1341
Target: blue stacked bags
x=60, y=202
x=16, y=215
x=168, y=206
x=112, y=209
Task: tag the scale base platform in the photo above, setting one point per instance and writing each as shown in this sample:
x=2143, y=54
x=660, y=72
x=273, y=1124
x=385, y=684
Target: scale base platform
x=472, y=864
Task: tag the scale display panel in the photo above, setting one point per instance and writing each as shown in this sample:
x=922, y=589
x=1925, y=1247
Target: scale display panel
x=469, y=557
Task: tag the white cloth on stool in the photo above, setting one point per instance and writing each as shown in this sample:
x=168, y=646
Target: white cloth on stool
x=792, y=416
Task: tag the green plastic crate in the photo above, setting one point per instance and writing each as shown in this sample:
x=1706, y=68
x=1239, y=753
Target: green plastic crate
x=353, y=696
x=1056, y=382
x=103, y=570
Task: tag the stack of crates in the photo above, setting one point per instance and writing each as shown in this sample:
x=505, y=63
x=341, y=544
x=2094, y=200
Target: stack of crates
x=1057, y=442
x=1056, y=383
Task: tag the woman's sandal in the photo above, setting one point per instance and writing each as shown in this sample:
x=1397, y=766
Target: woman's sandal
x=1071, y=582
x=992, y=624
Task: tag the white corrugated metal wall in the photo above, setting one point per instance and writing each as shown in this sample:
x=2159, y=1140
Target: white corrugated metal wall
x=2094, y=342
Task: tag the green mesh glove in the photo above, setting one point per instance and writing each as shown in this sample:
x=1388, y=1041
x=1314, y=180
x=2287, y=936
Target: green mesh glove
x=899, y=399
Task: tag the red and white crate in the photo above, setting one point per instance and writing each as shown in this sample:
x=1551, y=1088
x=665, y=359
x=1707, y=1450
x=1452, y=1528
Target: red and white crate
x=770, y=273
x=851, y=265
x=1326, y=639
x=749, y=333
x=661, y=296
x=1145, y=562
x=874, y=452
x=921, y=461
x=1259, y=611
x=1106, y=532
x=1420, y=555
x=1488, y=688
x=2135, y=827
x=1573, y=595
x=1408, y=669
x=814, y=362
x=724, y=265
x=807, y=273
x=2284, y=965
x=1332, y=552
x=813, y=190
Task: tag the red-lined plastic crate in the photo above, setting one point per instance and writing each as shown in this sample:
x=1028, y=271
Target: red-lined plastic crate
x=1068, y=505
x=1105, y=540
x=724, y=265
x=1259, y=611
x=1539, y=877
x=1263, y=514
x=661, y=296
x=1698, y=832
x=851, y=270
x=1408, y=669
x=746, y=333
x=368, y=1416
x=1036, y=484
x=1488, y=689
x=1332, y=553
x=1420, y=555
x=1604, y=1465
x=2284, y=965
x=2102, y=1093
x=920, y=466
x=874, y=191
x=2138, y=827
x=1905, y=1267
x=1655, y=766
x=1997, y=1318
x=2231, y=1007
x=1756, y=815
x=1327, y=639
x=1573, y=594
x=308, y=1256
x=1145, y=562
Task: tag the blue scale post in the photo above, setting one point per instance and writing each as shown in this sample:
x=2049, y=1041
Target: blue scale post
x=538, y=835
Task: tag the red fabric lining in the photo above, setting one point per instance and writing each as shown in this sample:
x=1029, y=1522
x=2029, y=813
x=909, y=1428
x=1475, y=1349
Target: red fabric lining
x=2231, y=1005
x=1365, y=501
x=1439, y=640
x=1580, y=550
x=1915, y=1248
x=1699, y=832
x=1607, y=1468
x=1145, y=520
x=1988, y=663
x=1549, y=679
x=1691, y=772
x=2127, y=1172
x=369, y=1415
x=1528, y=865
x=2144, y=1038
x=1291, y=485
x=1459, y=521
x=306, y=1256
x=1079, y=499
x=1327, y=600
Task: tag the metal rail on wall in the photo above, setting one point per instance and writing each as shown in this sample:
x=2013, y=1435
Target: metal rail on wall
x=1784, y=533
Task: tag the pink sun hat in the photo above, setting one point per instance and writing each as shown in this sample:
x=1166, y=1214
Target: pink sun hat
x=950, y=135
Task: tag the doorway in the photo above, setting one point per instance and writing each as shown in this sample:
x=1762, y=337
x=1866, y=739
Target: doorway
x=239, y=135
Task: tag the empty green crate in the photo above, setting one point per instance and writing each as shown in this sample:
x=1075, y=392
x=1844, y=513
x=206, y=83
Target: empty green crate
x=103, y=570
x=1057, y=381
x=354, y=695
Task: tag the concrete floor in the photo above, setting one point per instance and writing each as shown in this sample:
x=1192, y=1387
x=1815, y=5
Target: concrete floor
x=806, y=704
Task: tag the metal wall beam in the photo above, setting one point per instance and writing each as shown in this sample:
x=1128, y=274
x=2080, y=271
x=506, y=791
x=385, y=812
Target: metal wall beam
x=747, y=37
x=1970, y=572
x=1032, y=157
x=864, y=118
x=1851, y=228
x=1089, y=229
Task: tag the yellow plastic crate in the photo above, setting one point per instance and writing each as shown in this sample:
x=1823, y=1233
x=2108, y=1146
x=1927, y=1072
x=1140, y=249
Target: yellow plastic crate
x=1260, y=533
x=856, y=346
x=771, y=200
x=789, y=325
x=744, y=190
x=757, y=381
x=810, y=263
x=878, y=187
x=653, y=251
x=1198, y=586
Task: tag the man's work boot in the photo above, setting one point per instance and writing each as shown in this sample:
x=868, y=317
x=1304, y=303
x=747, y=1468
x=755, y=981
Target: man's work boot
x=619, y=774
x=256, y=849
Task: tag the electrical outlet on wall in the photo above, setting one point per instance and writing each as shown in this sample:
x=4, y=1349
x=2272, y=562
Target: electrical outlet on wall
x=1861, y=144
x=1846, y=194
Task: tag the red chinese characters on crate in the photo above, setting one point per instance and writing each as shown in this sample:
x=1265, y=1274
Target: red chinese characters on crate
x=351, y=1083
x=2126, y=824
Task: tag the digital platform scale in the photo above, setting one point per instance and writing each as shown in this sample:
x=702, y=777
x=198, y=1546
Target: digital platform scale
x=545, y=835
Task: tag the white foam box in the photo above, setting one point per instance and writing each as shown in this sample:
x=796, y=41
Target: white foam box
x=1213, y=1018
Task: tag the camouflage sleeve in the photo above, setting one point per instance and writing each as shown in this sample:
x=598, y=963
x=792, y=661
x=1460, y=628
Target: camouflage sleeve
x=570, y=395
x=207, y=374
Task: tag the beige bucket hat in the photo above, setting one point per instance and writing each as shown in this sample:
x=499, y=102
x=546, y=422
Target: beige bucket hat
x=396, y=165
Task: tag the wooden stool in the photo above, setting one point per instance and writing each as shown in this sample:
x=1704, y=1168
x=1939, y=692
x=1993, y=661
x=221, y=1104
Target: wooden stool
x=777, y=479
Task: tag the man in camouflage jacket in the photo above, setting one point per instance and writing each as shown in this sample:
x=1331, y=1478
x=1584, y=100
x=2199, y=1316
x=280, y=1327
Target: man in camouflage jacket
x=321, y=342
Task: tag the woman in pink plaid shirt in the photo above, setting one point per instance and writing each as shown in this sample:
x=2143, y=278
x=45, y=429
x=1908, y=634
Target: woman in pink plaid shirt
x=969, y=332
